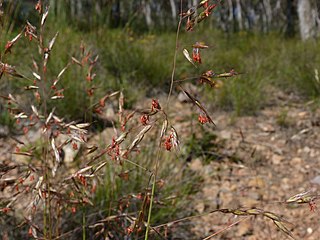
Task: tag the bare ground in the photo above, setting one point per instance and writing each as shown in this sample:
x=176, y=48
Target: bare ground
x=261, y=161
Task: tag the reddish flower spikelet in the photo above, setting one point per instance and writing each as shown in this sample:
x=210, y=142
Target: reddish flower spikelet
x=37, y=95
x=155, y=105
x=71, y=194
x=74, y=146
x=30, y=232
x=25, y=130
x=203, y=119
x=21, y=180
x=73, y=209
x=313, y=206
x=144, y=119
x=89, y=78
x=209, y=9
x=38, y=7
x=114, y=150
x=5, y=210
x=82, y=179
x=90, y=92
x=129, y=230
x=93, y=188
x=196, y=55
x=17, y=150
x=98, y=110
x=8, y=46
x=168, y=143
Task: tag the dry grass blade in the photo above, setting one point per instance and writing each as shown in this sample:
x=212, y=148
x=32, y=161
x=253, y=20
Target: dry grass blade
x=91, y=149
x=283, y=228
x=10, y=70
x=187, y=56
x=10, y=44
x=226, y=228
x=200, y=45
x=31, y=87
x=56, y=155
x=227, y=74
x=21, y=115
x=37, y=76
x=277, y=220
x=164, y=128
x=56, y=151
x=301, y=198
x=121, y=138
x=175, y=138
x=82, y=125
x=99, y=167
x=74, y=60
x=121, y=103
x=44, y=16
x=51, y=43
x=139, y=137
x=49, y=117
x=60, y=74
x=27, y=154
x=198, y=104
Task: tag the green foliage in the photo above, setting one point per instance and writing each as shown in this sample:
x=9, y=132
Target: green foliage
x=282, y=119
x=139, y=60
x=143, y=61
x=123, y=184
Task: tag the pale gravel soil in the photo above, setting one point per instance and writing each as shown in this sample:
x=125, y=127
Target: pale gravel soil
x=277, y=156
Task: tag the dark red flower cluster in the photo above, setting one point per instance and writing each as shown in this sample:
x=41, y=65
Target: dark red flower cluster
x=144, y=119
x=155, y=105
x=168, y=142
x=203, y=119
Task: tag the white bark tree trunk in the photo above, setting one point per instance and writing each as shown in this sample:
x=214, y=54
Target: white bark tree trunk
x=267, y=7
x=173, y=10
x=305, y=19
x=239, y=14
x=147, y=12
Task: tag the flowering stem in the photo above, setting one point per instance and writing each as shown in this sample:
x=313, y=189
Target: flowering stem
x=175, y=55
x=154, y=180
x=226, y=228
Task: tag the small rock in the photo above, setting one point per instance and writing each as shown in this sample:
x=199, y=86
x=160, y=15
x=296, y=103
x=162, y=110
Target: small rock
x=306, y=149
x=4, y=131
x=196, y=165
x=225, y=134
x=303, y=114
x=309, y=230
x=276, y=159
x=296, y=161
x=266, y=127
x=316, y=180
x=200, y=207
x=257, y=182
x=244, y=228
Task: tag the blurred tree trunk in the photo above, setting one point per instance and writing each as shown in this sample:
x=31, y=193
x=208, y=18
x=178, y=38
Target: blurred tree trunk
x=305, y=19
x=290, y=24
x=115, y=14
x=147, y=13
x=238, y=14
x=79, y=9
x=173, y=10
x=268, y=14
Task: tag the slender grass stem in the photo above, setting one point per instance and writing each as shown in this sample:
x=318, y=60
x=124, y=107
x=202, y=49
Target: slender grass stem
x=226, y=228
x=175, y=55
